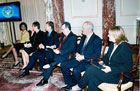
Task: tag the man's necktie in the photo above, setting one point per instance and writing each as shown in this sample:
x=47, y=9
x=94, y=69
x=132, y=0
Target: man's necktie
x=84, y=45
x=61, y=43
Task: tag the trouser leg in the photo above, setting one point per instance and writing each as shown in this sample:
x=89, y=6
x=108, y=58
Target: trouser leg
x=77, y=70
x=47, y=73
x=65, y=68
x=94, y=76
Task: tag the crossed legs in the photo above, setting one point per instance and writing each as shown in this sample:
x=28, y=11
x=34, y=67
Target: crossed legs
x=14, y=53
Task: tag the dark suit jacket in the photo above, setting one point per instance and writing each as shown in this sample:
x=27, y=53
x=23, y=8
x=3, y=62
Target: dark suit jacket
x=38, y=38
x=68, y=46
x=93, y=47
x=51, y=40
x=121, y=59
x=35, y=40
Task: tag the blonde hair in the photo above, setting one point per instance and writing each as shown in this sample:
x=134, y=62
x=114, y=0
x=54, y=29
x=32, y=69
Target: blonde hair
x=118, y=33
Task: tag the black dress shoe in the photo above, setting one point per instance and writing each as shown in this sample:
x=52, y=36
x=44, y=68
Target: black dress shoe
x=42, y=82
x=16, y=64
x=1, y=57
x=67, y=88
x=24, y=74
x=22, y=69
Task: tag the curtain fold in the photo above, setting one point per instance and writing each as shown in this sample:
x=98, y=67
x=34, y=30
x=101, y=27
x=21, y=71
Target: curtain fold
x=4, y=31
x=108, y=18
x=58, y=13
x=49, y=10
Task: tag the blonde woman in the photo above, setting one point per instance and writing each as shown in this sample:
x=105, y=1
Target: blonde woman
x=118, y=59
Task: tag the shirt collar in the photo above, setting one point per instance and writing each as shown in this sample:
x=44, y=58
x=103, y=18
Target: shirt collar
x=88, y=37
x=49, y=33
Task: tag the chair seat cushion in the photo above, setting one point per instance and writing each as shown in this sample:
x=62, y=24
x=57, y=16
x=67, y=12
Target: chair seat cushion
x=113, y=87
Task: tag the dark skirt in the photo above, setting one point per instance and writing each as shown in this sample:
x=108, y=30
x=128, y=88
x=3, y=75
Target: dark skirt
x=30, y=50
x=18, y=46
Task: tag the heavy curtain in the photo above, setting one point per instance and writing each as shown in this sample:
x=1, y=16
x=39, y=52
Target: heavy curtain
x=108, y=17
x=55, y=12
x=4, y=33
x=58, y=13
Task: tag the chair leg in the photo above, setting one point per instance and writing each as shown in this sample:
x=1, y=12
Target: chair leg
x=131, y=89
x=36, y=66
x=85, y=89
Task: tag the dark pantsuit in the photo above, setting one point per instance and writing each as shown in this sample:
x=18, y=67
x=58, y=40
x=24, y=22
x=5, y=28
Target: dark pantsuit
x=93, y=77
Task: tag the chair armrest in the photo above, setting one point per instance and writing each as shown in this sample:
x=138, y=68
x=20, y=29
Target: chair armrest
x=70, y=54
x=98, y=59
x=120, y=81
x=133, y=72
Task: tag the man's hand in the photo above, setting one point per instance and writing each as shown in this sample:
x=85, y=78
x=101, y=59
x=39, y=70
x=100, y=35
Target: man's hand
x=107, y=69
x=51, y=47
x=56, y=51
x=79, y=57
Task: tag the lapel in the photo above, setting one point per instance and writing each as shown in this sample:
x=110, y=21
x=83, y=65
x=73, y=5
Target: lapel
x=116, y=51
x=70, y=34
x=80, y=46
x=83, y=40
x=110, y=49
x=90, y=40
x=65, y=41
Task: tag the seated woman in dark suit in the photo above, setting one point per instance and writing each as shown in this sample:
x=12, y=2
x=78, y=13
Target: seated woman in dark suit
x=24, y=37
x=118, y=59
x=37, y=38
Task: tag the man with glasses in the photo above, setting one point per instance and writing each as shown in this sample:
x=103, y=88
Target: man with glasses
x=60, y=52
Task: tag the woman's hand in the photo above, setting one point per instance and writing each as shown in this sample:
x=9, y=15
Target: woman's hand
x=27, y=45
x=101, y=62
x=41, y=46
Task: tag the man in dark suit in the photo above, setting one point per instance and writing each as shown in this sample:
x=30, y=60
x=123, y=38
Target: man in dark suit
x=50, y=38
x=89, y=47
x=59, y=54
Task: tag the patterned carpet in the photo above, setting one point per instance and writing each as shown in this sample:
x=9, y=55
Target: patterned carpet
x=10, y=81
